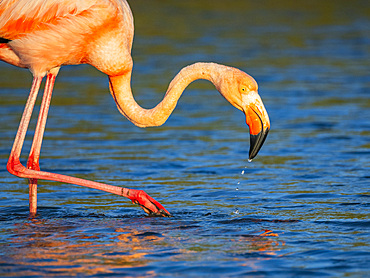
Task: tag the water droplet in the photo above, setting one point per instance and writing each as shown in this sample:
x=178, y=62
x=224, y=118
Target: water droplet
x=250, y=160
x=237, y=188
x=236, y=211
x=243, y=172
x=238, y=182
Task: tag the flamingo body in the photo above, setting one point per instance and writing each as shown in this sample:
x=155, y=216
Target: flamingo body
x=43, y=35
x=46, y=34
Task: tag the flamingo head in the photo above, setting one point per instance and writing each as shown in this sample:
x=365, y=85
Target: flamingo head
x=241, y=90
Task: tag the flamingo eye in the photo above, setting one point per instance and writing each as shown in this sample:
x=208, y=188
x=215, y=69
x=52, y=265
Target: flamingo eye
x=243, y=89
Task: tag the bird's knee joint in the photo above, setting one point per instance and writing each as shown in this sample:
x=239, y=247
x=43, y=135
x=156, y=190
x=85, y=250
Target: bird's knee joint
x=15, y=167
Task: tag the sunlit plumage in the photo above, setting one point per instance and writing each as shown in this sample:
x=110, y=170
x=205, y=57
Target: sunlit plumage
x=43, y=35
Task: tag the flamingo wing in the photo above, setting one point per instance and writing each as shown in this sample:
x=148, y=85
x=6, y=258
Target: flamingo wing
x=45, y=34
x=21, y=17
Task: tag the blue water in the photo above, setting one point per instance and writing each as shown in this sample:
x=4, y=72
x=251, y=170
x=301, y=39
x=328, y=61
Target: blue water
x=300, y=209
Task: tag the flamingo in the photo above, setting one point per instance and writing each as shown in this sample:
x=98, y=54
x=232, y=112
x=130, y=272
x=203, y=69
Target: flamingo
x=43, y=35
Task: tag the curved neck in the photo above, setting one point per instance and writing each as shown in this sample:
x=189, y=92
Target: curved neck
x=120, y=87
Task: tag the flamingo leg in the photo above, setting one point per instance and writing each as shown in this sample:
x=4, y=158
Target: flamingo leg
x=33, y=159
x=33, y=173
x=13, y=161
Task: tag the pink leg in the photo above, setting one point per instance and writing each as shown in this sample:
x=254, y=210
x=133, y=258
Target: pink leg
x=33, y=159
x=19, y=139
x=33, y=173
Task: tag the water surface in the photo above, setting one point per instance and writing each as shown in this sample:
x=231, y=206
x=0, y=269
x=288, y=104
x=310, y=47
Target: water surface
x=300, y=209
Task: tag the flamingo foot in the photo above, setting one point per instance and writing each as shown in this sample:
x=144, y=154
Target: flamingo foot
x=147, y=203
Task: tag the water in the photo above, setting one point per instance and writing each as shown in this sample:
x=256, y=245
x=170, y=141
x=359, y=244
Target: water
x=302, y=205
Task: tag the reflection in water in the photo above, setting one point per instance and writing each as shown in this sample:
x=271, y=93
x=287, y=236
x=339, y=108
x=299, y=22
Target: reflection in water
x=62, y=247
x=79, y=246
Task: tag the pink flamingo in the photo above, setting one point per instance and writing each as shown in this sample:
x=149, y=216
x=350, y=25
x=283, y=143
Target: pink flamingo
x=43, y=35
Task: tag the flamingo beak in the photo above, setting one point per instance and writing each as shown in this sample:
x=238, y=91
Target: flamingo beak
x=259, y=124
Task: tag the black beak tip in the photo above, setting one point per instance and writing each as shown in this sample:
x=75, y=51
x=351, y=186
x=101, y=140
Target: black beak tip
x=256, y=142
